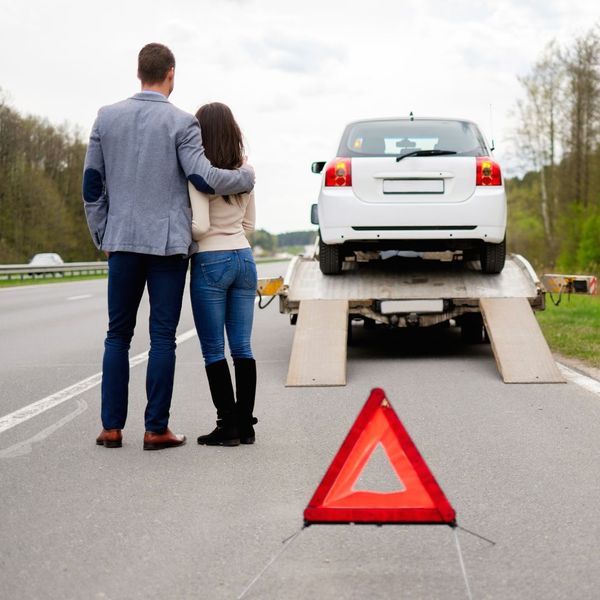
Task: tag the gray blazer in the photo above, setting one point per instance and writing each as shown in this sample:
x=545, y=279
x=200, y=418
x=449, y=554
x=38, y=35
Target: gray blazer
x=141, y=154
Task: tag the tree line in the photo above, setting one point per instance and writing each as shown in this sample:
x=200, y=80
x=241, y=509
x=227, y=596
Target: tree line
x=41, y=210
x=554, y=209
x=271, y=242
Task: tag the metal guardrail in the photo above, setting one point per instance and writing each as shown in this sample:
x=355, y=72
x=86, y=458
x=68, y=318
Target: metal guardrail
x=76, y=268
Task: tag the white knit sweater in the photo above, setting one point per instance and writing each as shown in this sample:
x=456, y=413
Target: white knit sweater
x=218, y=225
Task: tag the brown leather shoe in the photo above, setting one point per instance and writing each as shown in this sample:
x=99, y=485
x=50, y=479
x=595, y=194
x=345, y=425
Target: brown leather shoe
x=110, y=438
x=158, y=441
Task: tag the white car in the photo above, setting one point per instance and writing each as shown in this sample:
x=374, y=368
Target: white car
x=419, y=184
x=46, y=259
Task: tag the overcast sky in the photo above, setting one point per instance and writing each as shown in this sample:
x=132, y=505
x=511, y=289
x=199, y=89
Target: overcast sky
x=293, y=73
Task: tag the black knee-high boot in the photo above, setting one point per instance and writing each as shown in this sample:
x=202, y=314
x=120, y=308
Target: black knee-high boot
x=221, y=391
x=245, y=388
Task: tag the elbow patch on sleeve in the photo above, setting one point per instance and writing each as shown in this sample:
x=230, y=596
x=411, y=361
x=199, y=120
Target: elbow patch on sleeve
x=200, y=184
x=92, y=185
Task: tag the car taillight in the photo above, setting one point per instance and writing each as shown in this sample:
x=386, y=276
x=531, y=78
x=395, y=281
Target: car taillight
x=338, y=173
x=488, y=172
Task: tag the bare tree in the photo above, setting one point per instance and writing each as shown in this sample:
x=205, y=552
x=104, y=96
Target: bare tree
x=582, y=68
x=537, y=134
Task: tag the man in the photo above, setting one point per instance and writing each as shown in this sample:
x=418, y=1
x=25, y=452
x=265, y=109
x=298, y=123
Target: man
x=141, y=153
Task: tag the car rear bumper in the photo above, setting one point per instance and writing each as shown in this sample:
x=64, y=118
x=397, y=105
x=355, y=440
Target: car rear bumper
x=345, y=218
x=340, y=235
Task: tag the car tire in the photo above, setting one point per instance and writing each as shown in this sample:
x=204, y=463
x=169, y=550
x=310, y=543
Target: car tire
x=493, y=257
x=330, y=258
x=472, y=330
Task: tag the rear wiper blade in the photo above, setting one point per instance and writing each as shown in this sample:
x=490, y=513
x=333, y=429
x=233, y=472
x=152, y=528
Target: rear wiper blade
x=425, y=153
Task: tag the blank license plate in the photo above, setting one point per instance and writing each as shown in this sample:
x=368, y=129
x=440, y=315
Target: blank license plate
x=413, y=186
x=388, y=307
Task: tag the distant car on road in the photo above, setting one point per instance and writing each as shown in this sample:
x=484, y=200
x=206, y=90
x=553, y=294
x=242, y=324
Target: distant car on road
x=420, y=184
x=46, y=259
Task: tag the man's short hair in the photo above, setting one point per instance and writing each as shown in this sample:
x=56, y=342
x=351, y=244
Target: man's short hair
x=154, y=62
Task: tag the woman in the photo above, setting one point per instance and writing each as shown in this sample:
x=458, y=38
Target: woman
x=223, y=283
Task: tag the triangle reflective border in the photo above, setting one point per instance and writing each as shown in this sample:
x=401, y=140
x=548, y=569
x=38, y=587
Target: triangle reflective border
x=421, y=499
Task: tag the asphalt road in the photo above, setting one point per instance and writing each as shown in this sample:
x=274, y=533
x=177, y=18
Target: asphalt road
x=519, y=463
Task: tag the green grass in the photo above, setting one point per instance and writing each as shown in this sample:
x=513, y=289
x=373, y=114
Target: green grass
x=14, y=282
x=573, y=327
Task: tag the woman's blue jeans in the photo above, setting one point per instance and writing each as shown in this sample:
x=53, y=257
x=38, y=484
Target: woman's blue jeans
x=223, y=290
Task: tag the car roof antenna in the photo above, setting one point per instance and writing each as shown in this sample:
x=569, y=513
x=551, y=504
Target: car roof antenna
x=411, y=116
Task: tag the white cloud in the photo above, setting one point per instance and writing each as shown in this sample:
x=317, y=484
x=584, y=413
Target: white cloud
x=292, y=74
x=290, y=52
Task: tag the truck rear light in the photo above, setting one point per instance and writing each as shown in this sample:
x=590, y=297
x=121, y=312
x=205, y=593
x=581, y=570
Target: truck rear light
x=338, y=173
x=488, y=172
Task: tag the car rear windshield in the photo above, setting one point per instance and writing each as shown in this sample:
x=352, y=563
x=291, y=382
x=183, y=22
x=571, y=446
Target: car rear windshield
x=397, y=137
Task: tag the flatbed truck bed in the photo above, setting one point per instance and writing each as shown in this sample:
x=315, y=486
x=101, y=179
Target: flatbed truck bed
x=411, y=285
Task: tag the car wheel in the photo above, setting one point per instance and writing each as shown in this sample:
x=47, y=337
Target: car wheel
x=493, y=257
x=472, y=330
x=330, y=258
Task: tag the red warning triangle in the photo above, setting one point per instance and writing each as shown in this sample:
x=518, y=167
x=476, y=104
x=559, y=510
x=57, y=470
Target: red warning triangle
x=420, y=500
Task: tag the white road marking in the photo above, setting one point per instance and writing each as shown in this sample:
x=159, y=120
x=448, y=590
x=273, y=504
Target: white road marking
x=35, y=408
x=43, y=287
x=82, y=297
x=25, y=447
x=588, y=383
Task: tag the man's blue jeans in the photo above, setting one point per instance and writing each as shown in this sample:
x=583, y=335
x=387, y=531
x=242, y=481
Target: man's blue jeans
x=128, y=274
x=223, y=290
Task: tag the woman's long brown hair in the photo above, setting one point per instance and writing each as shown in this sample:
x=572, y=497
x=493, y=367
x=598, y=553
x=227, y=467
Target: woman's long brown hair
x=221, y=137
